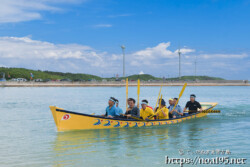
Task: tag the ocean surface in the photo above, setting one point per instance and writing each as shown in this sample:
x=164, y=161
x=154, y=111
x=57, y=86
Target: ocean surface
x=28, y=135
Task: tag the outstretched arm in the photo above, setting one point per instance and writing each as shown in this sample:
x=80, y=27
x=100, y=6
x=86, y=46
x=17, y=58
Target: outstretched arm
x=180, y=112
x=106, y=113
x=186, y=106
x=200, y=107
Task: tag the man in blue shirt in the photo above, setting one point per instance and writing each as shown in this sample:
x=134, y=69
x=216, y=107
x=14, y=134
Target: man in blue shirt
x=111, y=110
x=118, y=108
x=170, y=107
x=171, y=104
x=177, y=112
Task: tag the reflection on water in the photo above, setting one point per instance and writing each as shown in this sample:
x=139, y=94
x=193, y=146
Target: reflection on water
x=78, y=146
x=95, y=146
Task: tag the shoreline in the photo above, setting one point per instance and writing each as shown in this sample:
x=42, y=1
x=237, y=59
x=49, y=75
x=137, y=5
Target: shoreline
x=111, y=84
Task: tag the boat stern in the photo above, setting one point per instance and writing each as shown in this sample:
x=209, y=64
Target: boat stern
x=208, y=105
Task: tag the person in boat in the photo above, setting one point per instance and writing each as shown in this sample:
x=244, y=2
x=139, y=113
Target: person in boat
x=146, y=112
x=111, y=110
x=132, y=109
x=170, y=107
x=192, y=105
x=162, y=112
x=117, y=106
x=155, y=110
x=146, y=101
x=177, y=112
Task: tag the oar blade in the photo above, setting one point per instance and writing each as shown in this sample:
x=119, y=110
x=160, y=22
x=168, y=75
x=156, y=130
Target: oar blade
x=126, y=93
x=158, y=98
x=138, y=92
x=183, y=89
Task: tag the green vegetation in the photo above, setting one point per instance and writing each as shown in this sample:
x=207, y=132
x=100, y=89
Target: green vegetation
x=147, y=77
x=196, y=77
x=25, y=73
x=72, y=76
x=143, y=77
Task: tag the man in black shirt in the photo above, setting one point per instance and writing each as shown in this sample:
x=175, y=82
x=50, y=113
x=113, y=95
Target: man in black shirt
x=132, y=109
x=192, y=105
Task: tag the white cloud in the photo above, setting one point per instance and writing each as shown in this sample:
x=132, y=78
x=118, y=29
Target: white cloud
x=1, y=65
x=152, y=53
x=227, y=66
x=116, y=57
x=25, y=48
x=185, y=50
x=159, y=60
x=220, y=64
x=226, y=56
x=158, y=52
x=135, y=63
x=12, y=11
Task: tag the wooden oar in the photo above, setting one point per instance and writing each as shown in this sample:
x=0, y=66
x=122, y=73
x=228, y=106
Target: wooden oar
x=138, y=93
x=157, y=109
x=139, y=119
x=182, y=90
x=158, y=98
x=126, y=94
x=160, y=102
x=204, y=111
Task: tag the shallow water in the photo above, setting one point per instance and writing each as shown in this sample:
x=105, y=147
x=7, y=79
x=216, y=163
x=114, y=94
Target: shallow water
x=28, y=134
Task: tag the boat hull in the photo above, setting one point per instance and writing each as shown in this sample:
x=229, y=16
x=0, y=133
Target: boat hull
x=68, y=120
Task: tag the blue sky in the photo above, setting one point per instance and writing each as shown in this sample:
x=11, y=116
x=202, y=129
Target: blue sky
x=85, y=36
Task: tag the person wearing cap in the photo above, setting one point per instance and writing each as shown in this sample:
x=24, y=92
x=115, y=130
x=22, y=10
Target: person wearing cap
x=177, y=112
x=162, y=112
x=171, y=103
x=192, y=105
x=132, y=109
x=117, y=106
x=155, y=110
x=171, y=106
x=111, y=110
x=146, y=113
x=146, y=101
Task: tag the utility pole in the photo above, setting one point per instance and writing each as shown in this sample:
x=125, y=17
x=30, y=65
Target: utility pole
x=195, y=63
x=179, y=52
x=123, y=52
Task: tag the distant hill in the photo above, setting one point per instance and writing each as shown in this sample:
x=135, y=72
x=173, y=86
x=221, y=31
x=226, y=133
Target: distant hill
x=147, y=77
x=143, y=77
x=25, y=73
x=196, y=78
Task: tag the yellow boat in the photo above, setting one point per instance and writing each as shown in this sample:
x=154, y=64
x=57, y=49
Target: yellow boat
x=68, y=120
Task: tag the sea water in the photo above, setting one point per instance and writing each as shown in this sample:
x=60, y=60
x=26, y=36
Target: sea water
x=28, y=135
